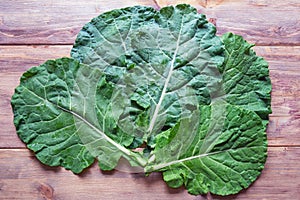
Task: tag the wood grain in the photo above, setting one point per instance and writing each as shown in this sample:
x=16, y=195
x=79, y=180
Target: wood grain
x=38, y=22
x=23, y=177
x=32, y=32
x=51, y=22
x=284, y=127
x=264, y=22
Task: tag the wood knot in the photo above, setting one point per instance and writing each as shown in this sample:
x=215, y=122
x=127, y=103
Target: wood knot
x=46, y=191
x=213, y=21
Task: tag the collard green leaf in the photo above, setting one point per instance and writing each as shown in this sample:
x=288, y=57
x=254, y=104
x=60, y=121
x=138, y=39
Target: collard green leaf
x=164, y=66
x=233, y=162
x=56, y=115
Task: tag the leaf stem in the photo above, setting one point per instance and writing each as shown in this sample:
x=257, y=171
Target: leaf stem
x=163, y=165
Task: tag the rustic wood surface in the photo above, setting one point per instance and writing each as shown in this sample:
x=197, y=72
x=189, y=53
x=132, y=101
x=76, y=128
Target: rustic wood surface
x=32, y=32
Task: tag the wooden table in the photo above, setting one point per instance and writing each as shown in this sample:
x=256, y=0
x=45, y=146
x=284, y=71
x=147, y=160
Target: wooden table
x=32, y=32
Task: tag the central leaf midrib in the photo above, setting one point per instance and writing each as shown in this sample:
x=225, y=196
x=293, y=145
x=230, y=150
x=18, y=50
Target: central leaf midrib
x=141, y=161
x=163, y=165
x=164, y=91
x=95, y=128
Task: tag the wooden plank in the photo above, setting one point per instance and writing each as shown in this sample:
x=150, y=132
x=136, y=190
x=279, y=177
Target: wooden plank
x=54, y=22
x=35, y=181
x=20, y=58
x=17, y=58
x=23, y=177
x=57, y=22
x=264, y=22
x=284, y=127
x=279, y=55
x=284, y=131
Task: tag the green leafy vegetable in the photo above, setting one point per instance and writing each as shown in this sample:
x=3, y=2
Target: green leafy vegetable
x=56, y=114
x=245, y=76
x=164, y=65
x=232, y=162
x=157, y=88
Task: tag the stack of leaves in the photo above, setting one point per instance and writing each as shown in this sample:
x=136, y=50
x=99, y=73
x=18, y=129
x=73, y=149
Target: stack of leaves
x=154, y=90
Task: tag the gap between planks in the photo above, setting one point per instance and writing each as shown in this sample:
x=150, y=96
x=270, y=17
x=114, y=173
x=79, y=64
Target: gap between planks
x=71, y=44
x=269, y=146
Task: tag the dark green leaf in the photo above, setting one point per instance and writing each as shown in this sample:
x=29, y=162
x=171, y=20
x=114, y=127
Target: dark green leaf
x=56, y=115
x=234, y=159
x=163, y=63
